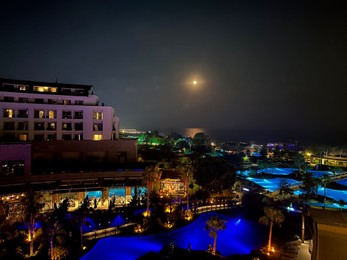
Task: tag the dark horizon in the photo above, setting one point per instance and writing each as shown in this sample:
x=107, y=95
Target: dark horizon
x=263, y=136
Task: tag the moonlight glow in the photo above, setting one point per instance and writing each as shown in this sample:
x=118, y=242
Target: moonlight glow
x=194, y=83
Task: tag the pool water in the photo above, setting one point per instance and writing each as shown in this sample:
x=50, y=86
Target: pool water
x=240, y=237
x=273, y=184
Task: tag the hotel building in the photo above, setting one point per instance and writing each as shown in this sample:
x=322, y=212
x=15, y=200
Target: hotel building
x=40, y=111
x=60, y=133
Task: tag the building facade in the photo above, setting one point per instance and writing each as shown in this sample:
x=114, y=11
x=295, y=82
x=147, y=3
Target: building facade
x=42, y=111
x=53, y=133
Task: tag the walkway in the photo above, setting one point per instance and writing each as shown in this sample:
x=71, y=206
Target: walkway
x=303, y=253
x=296, y=251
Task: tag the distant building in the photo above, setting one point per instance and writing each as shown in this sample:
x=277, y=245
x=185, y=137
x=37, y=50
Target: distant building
x=337, y=161
x=41, y=111
x=130, y=133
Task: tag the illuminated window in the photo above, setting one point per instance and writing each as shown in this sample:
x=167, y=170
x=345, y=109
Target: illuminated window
x=23, y=87
x=51, y=114
x=23, y=137
x=39, y=114
x=66, y=126
x=9, y=113
x=98, y=115
x=66, y=102
x=51, y=126
x=97, y=137
x=45, y=89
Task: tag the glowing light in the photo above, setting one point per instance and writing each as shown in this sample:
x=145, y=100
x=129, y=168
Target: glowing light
x=195, y=83
x=147, y=213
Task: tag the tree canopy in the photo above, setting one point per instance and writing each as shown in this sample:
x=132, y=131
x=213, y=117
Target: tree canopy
x=214, y=174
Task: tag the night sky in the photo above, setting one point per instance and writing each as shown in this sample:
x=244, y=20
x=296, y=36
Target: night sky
x=274, y=69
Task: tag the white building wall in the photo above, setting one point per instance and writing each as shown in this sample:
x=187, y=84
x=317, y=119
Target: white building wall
x=90, y=105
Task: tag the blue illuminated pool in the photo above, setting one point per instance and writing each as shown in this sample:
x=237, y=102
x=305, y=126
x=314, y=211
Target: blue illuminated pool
x=342, y=182
x=240, y=237
x=273, y=184
x=284, y=172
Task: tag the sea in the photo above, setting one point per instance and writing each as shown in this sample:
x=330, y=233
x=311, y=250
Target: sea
x=260, y=136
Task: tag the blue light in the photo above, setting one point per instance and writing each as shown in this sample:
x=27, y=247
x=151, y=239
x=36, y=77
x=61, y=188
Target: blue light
x=240, y=238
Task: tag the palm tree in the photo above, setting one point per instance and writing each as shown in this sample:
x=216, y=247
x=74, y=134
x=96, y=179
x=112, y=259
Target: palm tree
x=186, y=176
x=341, y=204
x=299, y=161
x=308, y=184
x=213, y=225
x=324, y=180
x=83, y=212
x=151, y=177
x=272, y=216
x=32, y=208
x=56, y=232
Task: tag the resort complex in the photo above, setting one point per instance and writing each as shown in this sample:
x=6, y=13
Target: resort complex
x=74, y=185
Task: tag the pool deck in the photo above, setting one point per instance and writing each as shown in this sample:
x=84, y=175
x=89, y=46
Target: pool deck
x=296, y=251
x=303, y=253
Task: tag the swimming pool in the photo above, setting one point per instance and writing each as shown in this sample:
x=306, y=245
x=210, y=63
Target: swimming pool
x=284, y=172
x=273, y=184
x=240, y=237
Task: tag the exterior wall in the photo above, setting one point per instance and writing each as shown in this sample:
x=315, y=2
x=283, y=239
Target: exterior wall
x=112, y=151
x=331, y=242
x=15, y=152
x=108, y=122
x=329, y=234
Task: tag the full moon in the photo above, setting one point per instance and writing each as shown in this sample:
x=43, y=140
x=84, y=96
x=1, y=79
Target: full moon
x=194, y=83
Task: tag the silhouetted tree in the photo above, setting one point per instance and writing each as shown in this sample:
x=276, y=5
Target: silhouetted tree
x=272, y=216
x=151, y=178
x=214, y=224
x=308, y=184
x=32, y=208
x=214, y=174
